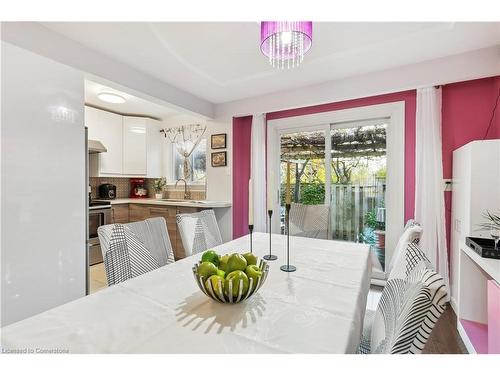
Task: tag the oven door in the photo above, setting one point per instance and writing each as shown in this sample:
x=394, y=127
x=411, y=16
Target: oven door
x=97, y=218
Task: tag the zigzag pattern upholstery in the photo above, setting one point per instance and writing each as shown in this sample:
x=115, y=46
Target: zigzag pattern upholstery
x=309, y=220
x=199, y=231
x=129, y=250
x=412, y=301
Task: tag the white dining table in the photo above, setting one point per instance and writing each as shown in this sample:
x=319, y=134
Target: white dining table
x=319, y=308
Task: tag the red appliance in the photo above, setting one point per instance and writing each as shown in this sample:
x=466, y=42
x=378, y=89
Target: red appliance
x=137, y=189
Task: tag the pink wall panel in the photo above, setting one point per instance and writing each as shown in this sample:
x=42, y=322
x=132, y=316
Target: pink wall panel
x=242, y=133
x=466, y=112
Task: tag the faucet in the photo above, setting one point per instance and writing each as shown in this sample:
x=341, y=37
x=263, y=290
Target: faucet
x=187, y=192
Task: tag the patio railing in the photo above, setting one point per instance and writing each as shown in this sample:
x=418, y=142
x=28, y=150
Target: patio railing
x=349, y=206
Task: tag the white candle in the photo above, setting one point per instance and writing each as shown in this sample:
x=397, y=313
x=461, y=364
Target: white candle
x=270, y=192
x=250, y=202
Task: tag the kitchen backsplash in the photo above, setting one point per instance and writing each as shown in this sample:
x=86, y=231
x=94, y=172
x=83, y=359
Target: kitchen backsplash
x=123, y=188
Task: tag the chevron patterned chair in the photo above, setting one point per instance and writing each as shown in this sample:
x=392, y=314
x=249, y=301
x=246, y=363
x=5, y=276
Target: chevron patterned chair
x=412, y=301
x=199, y=231
x=309, y=220
x=129, y=250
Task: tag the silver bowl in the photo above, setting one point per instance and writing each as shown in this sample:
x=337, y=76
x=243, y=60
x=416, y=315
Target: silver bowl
x=228, y=298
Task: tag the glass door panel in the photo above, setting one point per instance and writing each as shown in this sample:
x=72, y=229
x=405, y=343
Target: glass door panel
x=304, y=151
x=358, y=183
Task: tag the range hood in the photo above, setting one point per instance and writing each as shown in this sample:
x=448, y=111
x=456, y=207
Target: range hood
x=95, y=147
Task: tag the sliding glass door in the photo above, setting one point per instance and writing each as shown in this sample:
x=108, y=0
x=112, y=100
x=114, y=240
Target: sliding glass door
x=352, y=161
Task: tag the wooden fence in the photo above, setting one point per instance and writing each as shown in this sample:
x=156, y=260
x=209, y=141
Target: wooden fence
x=349, y=205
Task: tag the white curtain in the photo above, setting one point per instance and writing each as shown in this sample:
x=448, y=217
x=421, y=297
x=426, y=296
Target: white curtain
x=258, y=171
x=429, y=195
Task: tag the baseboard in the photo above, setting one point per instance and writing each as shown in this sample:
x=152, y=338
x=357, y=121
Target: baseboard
x=454, y=305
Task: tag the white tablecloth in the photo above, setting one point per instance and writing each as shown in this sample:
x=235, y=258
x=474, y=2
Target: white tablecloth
x=317, y=309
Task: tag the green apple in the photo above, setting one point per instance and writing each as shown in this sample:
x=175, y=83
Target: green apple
x=210, y=256
x=223, y=262
x=207, y=269
x=253, y=272
x=214, y=282
x=235, y=277
x=221, y=273
x=250, y=258
x=236, y=262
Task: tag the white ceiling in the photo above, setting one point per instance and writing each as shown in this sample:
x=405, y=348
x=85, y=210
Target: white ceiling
x=133, y=105
x=222, y=62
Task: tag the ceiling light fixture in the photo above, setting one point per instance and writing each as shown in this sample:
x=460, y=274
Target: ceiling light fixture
x=285, y=42
x=111, y=97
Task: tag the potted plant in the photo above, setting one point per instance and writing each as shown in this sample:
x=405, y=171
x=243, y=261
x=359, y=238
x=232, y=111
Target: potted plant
x=158, y=186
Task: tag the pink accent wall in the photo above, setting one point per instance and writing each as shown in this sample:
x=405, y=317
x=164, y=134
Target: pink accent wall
x=409, y=97
x=466, y=111
x=242, y=133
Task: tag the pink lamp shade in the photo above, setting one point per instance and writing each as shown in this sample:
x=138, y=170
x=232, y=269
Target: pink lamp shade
x=285, y=42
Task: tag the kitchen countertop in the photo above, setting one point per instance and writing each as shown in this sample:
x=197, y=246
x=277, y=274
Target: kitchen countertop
x=176, y=203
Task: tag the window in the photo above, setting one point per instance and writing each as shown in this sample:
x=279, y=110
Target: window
x=197, y=164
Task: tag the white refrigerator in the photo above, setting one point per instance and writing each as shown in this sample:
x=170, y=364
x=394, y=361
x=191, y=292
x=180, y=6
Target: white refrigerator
x=476, y=188
x=43, y=186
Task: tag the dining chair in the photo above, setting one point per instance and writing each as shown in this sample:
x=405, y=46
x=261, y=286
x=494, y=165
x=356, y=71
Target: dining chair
x=131, y=249
x=199, y=231
x=309, y=220
x=412, y=233
x=411, y=303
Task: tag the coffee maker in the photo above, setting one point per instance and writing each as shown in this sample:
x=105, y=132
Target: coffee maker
x=137, y=189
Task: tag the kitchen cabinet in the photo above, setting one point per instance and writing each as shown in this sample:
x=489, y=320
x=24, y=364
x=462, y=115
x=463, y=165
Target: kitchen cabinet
x=106, y=127
x=138, y=212
x=154, y=149
x=120, y=213
x=134, y=145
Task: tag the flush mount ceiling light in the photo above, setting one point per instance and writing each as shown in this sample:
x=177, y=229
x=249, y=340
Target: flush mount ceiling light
x=285, y=43
x=111, y=97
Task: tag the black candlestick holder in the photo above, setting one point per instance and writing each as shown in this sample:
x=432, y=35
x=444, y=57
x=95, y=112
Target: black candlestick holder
x=250, y=229
x=270, y=256
x=287, y=267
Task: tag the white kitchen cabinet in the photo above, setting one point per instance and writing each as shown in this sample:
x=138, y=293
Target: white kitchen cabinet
x=134, y=146
x=154, y=143
x=106, y=127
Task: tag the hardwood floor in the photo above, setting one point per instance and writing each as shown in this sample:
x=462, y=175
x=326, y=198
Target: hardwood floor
x=444, y=338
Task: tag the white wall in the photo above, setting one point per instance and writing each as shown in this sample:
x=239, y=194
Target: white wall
x=470, y=65
x=43, y=211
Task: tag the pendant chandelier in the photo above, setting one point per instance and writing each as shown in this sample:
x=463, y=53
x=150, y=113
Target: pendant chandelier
x=285, y=42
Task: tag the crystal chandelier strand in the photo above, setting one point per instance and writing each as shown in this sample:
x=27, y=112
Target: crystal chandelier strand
x=286, y=42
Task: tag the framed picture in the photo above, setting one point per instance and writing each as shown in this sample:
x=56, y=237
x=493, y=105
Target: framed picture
x=218, y=141
x=219, y=159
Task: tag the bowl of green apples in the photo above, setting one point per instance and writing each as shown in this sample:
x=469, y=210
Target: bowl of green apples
x=230, y=278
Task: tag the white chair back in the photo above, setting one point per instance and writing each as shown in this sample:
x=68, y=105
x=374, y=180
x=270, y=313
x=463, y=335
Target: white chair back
x=412, y=301
x=129, y=250
x=309, y=220
x=199, y=231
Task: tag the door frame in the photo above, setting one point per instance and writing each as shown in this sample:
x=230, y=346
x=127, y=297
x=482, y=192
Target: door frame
x=395, y=180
